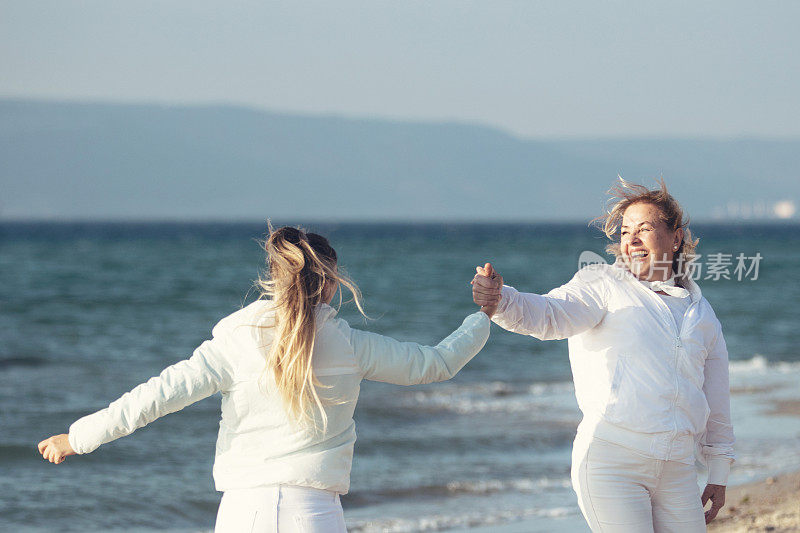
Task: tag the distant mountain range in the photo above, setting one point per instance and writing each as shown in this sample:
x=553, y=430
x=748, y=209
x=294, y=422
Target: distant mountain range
x=67, y=160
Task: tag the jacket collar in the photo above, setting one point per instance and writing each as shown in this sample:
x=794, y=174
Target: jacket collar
x=324, y=312
x=688, y=283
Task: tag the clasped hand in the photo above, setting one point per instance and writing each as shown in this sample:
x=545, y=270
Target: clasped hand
x=486, y=288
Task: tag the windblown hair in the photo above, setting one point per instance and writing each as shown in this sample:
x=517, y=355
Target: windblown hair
x=300, y=265
x=623, y=195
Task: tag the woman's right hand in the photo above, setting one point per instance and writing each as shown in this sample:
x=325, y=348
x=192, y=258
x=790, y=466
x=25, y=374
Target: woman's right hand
x=486, y=288
x=56, y=448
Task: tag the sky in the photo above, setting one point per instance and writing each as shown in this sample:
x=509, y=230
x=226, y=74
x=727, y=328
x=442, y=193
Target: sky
x=557, y=69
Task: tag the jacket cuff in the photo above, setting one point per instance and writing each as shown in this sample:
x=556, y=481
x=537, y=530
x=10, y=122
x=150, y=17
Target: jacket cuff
x=73, y=442
x=718, y=470
x=85, y=435
x=506, y=294
x=481, y=324
x=480, y=316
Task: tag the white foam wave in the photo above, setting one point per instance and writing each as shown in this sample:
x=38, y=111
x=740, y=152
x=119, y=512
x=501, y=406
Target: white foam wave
x=496, y=397
x=496, y=485
x=760, y=364
x=444, y=522
x=556, y=400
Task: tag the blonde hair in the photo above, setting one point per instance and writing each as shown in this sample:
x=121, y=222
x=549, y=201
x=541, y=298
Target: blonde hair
x=300, y=265
x=623, y=195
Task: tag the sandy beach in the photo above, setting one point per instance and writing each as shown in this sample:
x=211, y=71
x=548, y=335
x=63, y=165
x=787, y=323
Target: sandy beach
x=768, y=505
x=771, y=504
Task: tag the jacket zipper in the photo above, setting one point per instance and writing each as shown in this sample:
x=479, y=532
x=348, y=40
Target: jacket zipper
x=677, y=344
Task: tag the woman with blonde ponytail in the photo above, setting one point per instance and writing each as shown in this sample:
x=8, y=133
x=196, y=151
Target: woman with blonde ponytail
x=289, y=372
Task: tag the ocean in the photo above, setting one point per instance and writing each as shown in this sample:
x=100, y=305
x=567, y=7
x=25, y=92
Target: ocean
x=90, y=310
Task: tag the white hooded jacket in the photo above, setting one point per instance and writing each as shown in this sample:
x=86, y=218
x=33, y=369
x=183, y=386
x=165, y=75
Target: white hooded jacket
x=257, y=443
x=639, y=381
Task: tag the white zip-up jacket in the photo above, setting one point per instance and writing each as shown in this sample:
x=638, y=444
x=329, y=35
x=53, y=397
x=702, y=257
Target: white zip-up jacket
x=257, y=444
x=639, y=381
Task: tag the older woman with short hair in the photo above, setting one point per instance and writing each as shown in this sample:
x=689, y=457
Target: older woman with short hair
x=650, y=367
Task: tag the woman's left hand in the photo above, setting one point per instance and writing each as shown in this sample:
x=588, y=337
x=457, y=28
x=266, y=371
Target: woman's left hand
x=715, y=493
x=486, y=289
x=56, y=448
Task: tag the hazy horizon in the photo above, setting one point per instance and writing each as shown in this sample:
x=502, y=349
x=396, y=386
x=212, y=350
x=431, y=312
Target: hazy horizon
x=88, y=161
x=362, y=111
x=398, y=120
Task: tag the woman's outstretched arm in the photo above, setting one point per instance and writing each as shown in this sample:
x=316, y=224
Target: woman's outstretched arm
x=385, y=359
x=207, y=371
x=563, y=312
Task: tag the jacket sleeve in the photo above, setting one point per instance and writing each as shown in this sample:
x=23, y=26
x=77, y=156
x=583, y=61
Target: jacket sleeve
x=207, y=371
x=408, y=363
x=717, y=442
x=568, y=310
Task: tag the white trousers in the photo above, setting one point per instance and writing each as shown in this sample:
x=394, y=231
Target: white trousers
x=280, y=509
x=623, y=491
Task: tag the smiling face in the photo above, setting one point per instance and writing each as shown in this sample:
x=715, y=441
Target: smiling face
x=647, y=244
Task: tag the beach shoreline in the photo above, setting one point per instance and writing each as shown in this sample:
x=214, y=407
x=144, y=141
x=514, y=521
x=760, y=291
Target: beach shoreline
x=771, y=504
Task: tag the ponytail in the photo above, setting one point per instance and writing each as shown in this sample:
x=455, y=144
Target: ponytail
x=302, y=267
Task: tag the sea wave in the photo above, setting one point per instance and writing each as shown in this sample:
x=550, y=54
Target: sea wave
x=444, y=521
x=556, y=400
x=495, y=396
x=760, y=364
x=458, y=488
x=22, y=361
x=13, y=452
